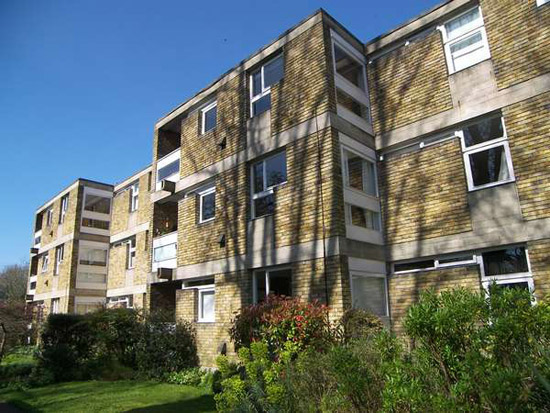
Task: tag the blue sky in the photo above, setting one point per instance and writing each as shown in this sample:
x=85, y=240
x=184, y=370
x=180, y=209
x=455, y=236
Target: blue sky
x=83, y=82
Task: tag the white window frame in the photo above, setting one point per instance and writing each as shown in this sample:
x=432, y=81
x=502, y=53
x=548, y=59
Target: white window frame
x=59, y=255
x=45, y=262
x=267, y=272
x=202, y=194
x=64, y=208
x=49, y=216
x=353, y=273
x=112, y=301
x=541, y=2
x=266, y=190
x=131, y=262
x=208, y=108
x=465, y=32
x=437, y=265
x=134, y=197
x=202, y=290
x=55, y=305
x=345, y=170
x=480, y=147
x=349, y=221
x=265, y=90
x=352, y=53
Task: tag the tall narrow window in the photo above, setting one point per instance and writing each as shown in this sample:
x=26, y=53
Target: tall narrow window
x=134, y=197
x=55, y=305
x=207, y=205
x=465, y=40
x=45, y=262
x=276, y=281
x=486, y=154
x=209, y=115
x=266, y=175
x=49, y=217
x=63, y=209
x=59, y=252
x=131, y=253
x=359, y=173
x=261, y=81
x=207, y=305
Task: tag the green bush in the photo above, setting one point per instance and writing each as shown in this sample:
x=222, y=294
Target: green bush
x=358, y=324
x=189, y=377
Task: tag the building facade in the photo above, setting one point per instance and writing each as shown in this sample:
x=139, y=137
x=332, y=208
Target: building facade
x=350, y=173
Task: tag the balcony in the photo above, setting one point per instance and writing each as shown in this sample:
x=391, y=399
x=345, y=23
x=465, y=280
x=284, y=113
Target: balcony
x=165, y=248
x=37, y=239
x=31, y=290
x=168, y=168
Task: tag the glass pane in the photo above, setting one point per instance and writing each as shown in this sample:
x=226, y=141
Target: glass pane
x=166, y=252
x=96, y=203
x=275, y=169
x=373, y=220
x=168, y=170
x=256, y=83
x=280, y=282
x=93, y=257
x=258, y=177
x=261, y=105
x=358, y=216
x=264, y=206
x=207, y=305
x=515, y=286
x=355, y=171
x=489, y=166
x=351, y=104
x=95, y=223
x=274, y=71
x=260, y=285
x=348, y=67
x=456, y=259
x=210, y=119
x=88, y=277
x=208, y=206
x=410, y=266
x=370, y=179
x=507, y=261
x=369, y=293
x=455, y=25
x=484, y=131
x=467, y=42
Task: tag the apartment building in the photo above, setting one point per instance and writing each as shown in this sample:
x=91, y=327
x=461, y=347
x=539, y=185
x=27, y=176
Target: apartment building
x=350, y=173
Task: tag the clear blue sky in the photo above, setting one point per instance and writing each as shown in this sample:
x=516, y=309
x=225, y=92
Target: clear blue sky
x=83, y=82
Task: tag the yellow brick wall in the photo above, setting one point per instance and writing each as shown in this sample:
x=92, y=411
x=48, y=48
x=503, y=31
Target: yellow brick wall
x=121, y=207
x=528, y=128
x=72, y=218
x=539, y=257
x=409, y=84
x=405, y=289
x=118, y=263
x=424, y=193
x=519, y=37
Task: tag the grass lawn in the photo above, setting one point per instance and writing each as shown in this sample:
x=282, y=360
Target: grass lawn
x=117, y=396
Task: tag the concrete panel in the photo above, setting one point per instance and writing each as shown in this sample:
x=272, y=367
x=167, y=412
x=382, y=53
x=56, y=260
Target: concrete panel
x=260, y=234
x=473, y=84
x=494, y=207
x=258, y=129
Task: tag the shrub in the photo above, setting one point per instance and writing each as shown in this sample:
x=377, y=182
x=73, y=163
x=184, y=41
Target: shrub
x=189, y=377
x=359, y=324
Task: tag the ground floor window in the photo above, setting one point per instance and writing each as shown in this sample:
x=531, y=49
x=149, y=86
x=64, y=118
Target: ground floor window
x=122, y=301
x=368, y=292
x=274, y=281
x=55, y=306
x=207, y=305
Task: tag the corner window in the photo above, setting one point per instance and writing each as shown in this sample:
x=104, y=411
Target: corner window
x=359, y=173
x=45, y=262
x=209, y=116
x=261, y=81
x=266, y=175
x=55, y=305
x=59, y=253
x=362, y=217
x=465, y=40
x=64, y=207
x=352, y=105
x=369, y=293
x=276, y=282
x=207, y=205
x=49, y=217
x=207, y=305
x=165, y=252
x=92, y=256
x=349, y=67
x=96, y=203
x=486, y=154
x=131, y=253
x=95, y=223
x=134, y=197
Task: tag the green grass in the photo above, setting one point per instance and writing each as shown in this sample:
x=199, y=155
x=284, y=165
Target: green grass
x=21, y=355
x=118, y=396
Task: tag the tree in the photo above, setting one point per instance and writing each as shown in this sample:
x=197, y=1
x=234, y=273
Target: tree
x=13, y=283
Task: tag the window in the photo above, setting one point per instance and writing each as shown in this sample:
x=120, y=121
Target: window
x=134, y=197
x=454, y=260
x=349, y=67
x=93, y=256
x=55, y=305
x=169, y=170
x=209, y=116
x=95, y=223
x=64, y=207
x=465, y=40
x=277, y=282
x=91, y=278
x=260, y=84
x=207, y=205
x=49, y=216
x=362, y=217
x=122, y=301
x=59, y=252
x=507, y=267
x=352, y=105
x=486, y=154
x=266, y=175
x=96, y=203
x=45, y=262
x=207, y=305
x=541, y=2
x=165, y=252
x=359, y=173
x=369, y=293
x=131, y=253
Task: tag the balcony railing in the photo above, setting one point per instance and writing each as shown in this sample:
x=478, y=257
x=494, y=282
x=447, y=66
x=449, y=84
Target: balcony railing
x=168, y=168
x=165, y=250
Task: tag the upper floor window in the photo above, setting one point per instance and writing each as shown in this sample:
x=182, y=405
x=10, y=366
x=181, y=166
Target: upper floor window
x=131, y=253
x=541, y=2
x=266, y=175
x=486, y=153
x=64, y=207
x=171, y=170
x=260, y=84
x=465, y=40
x=207, y=204
x=209, y=115
x=350, y=68
x=96, y=203
x=45, y=262
x=95, y=223
x=134, y=197
x=362, y=217
x=59, y=253
x=359, y=173
x=92, y=256
x=49, y=217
